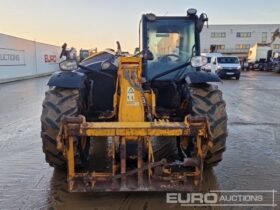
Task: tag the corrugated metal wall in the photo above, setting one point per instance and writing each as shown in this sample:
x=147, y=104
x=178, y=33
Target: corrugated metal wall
x=20, y=58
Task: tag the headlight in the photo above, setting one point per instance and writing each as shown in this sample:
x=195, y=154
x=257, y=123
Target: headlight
x=238, y=67
x=105, y=65
x=198, y=61
x=68, y=65
x=219, y=67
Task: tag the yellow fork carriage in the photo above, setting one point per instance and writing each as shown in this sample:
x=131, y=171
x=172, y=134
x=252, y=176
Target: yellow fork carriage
x=132, y=107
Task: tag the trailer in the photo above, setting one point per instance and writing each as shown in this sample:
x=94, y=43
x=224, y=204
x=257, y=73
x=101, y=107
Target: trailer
x=22, y=59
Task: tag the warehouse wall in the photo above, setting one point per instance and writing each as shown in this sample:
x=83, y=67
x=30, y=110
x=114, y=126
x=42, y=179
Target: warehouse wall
x=20, y=58
x=231, y=41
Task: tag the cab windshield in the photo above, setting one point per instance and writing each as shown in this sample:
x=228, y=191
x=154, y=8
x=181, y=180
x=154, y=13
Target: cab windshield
x=171, y=42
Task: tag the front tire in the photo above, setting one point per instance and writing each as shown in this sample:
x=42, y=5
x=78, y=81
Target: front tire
x=58, y=102
x=208, y=101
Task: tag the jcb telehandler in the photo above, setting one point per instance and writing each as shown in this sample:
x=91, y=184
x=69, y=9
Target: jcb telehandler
x=148, y=122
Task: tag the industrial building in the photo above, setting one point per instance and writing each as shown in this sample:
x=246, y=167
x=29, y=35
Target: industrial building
x=237, y=39
x=21, y=58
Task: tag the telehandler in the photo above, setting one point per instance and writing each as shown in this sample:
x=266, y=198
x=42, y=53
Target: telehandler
x=148, y=122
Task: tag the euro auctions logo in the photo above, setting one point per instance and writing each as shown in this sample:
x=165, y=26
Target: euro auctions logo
x=192, y=198
x=224, y=198
x=50, y=58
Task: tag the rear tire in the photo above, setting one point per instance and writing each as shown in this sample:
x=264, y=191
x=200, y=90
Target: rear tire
x=58, y=102
x=208, y=101
x=165, y=148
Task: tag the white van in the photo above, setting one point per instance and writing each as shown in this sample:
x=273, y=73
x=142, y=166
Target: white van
x=226, y=66
x=207, y=67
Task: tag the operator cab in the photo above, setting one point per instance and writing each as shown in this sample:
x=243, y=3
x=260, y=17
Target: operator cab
x=173, y=41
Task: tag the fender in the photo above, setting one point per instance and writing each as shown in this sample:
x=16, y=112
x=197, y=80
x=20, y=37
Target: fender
x=199, y=77
x=67, y=79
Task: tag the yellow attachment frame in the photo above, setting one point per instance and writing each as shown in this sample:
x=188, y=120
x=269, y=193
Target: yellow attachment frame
x=73, y=127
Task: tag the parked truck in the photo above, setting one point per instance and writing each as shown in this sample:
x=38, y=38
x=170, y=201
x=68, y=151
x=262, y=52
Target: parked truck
x=259, y=57
x=276, y=61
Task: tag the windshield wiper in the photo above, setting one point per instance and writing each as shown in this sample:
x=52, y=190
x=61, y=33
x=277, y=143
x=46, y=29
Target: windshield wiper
x=170, y=71
x=96, y=72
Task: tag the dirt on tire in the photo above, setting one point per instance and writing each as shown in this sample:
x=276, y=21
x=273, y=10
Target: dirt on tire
x=208, y=101
x=58, y=102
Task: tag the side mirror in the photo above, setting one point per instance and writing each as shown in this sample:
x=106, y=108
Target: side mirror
x=63, y=51
x=200, y=23
x=72, y=54
x=198, y=61
x=119, y=49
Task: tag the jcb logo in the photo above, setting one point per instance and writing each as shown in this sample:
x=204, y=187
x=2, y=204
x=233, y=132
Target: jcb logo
x=50, y=58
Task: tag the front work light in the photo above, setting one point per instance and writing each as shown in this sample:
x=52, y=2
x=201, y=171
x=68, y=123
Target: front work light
x=198, y=61
x=151, y=17
x=191, y=11
x=68, y=65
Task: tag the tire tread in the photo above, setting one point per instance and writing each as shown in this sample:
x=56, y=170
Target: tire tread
x=57, y=102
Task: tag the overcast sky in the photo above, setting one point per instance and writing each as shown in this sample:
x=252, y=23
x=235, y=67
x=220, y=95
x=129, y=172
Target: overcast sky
x=99, y=23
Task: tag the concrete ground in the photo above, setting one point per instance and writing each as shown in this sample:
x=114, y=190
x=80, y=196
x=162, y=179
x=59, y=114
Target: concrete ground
x=251, y=162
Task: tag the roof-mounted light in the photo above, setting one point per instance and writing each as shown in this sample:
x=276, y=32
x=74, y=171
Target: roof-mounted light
x=151, y=16
x=191, y=12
